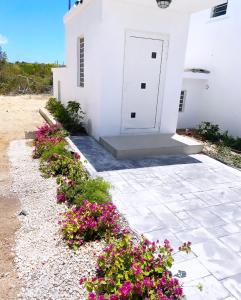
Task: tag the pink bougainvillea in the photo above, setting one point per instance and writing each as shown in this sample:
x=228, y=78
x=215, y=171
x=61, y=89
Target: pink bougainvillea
x=91, y=221
x=127, y=271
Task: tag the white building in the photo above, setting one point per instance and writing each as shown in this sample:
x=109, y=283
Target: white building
x=124, y=63
x=214, y=44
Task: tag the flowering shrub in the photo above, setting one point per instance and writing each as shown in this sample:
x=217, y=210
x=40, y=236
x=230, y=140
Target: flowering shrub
x=50, y=131
x=131, y=272
x=89, y=222
x=65, y=165
x=46, y=136
x=77, y=190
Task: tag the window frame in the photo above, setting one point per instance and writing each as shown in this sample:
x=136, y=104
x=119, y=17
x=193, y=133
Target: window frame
x=214, y=13
x=81, y=61
x=182, y=101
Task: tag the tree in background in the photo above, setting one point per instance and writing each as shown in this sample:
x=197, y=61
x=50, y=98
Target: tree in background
x=23, y=77
x=3, y=56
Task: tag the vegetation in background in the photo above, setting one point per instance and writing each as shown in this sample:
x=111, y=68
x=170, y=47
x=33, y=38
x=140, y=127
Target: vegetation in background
x=23, y=77
x=211, y=132
x=71, y=116
x=219, y=145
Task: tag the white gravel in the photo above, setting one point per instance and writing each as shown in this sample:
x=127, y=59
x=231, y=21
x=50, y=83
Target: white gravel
x=47, y=267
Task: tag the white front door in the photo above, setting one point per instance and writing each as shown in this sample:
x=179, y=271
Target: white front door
x=142, y=75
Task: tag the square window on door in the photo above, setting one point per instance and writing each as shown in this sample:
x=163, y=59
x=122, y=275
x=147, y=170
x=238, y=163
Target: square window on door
x=143, y=85
x=133, y=115
x=153, y=55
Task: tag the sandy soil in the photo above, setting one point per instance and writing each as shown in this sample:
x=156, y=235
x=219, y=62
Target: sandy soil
x=18, y=114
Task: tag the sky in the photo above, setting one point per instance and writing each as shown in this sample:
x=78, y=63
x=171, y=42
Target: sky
x=33, y=30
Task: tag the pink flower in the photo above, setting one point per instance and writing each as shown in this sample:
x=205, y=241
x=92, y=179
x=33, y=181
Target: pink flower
x=136, y=269
x=147, y=282
x=61, y=198
x=125, y=289
x=113, y=297
x=92, y=296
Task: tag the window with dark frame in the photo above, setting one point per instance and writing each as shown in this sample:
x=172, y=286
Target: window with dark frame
x=81, y=62
x=219, y=10
x=182, y=101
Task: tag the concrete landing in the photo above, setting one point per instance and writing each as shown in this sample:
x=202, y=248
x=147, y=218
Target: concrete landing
x=134, y=146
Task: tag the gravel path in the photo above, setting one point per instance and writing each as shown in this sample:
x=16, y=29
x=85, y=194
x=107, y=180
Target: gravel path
x=48, y=269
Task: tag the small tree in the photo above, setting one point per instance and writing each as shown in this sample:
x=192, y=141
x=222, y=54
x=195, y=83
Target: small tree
x=3, y=56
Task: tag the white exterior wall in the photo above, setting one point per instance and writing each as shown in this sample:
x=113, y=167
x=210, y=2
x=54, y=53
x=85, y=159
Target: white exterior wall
x=215, y=44
x=103, y=24
x=120, y=16
x=86, y=24
x=193, y=112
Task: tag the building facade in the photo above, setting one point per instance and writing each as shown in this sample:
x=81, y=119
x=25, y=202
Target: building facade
x=124, y=63
x=214, y=44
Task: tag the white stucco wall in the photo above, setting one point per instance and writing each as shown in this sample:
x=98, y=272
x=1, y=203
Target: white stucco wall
x=118, y=17
x=193, y=111
x=103, y=24
x=85, y=24
x=215, y=44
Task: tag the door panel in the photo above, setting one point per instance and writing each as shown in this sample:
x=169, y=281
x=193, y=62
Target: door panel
x=143, y=59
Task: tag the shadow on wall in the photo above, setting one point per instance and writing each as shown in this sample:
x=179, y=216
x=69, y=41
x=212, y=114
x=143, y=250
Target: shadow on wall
x=102, y=160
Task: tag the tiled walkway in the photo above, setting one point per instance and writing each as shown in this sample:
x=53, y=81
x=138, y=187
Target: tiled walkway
x=181, y=198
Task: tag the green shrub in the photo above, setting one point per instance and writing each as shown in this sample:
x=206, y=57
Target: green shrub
x=63, y=165
x=230, y=141
x=76, y=191
x=55, y=150
x=70, y=117
x=209, y=131
x=75, y=112
x=225, y=154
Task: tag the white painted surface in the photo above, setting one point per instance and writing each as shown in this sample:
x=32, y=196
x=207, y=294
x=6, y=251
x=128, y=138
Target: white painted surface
x=215, y=44
x=141, y=82
x=103, y=24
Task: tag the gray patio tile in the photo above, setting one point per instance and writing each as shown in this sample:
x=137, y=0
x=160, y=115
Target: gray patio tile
x=182, y=256
x=143, y=224
x=163, y=234
x=206, y=218
x=141, y=198
x=167, y=218
x=218, y=231
x=136, y=186
x=212, y=289
x=218, y=259
x=229, y=212
x=195, y=236
x=190, y=195
x=224, y=196
x=189, y=204
x=193, y=268
x=205, y=196
x=191, y=223
x=232, y=228
x=233, y=284
x=233, y=241
x=165, y=197
x=182, y=215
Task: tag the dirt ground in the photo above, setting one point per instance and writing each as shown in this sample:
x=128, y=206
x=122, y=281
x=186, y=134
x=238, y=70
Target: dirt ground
x=18, y=114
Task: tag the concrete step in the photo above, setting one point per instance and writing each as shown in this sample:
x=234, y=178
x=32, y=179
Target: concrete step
x=136, y=146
